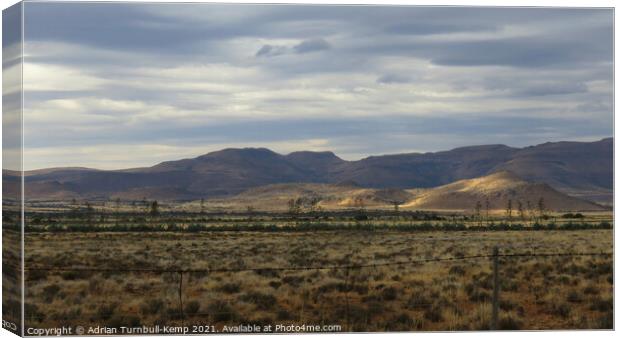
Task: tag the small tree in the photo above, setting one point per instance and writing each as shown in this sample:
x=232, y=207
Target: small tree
x=487, y=206
x=541, y=207
x=314, y=201
x=89, y=211
x=477, y=214
x=250, y=211
x=520, y=211
x=509, y=210
x=294, y=206
x=359, y=204
x=74, y=208
x=117, y=204
x=530, y=212
x=154, y=208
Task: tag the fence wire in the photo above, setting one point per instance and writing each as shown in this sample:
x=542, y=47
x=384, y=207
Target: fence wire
x=182, y=314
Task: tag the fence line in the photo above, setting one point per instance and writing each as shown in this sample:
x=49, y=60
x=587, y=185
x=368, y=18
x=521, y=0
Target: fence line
x=182, y=313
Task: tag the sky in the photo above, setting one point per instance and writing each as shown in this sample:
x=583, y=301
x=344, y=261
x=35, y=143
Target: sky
x=119, y=85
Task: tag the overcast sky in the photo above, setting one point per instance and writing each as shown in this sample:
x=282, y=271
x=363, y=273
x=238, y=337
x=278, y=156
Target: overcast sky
x=115, y=85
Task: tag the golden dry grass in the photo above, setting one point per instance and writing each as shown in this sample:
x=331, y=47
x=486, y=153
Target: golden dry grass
x=537, y=292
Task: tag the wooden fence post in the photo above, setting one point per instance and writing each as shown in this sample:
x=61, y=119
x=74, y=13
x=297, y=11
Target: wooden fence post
x=346, y=297
x=495, y=288
x=181, y=310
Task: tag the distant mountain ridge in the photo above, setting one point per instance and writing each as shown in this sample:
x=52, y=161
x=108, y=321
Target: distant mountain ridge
x=583, y=169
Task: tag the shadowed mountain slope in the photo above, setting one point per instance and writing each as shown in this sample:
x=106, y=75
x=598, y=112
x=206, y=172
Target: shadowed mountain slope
x=577, y=168
x=583, y=169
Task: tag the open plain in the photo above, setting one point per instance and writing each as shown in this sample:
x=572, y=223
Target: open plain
x=362, y=278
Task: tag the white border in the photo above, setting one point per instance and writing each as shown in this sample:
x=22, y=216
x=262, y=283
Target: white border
x=505, y=3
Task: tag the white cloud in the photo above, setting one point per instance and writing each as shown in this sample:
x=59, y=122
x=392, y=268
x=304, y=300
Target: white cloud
x=91, y=89
x=11, y=79
x=49, y=77
x=115, y=156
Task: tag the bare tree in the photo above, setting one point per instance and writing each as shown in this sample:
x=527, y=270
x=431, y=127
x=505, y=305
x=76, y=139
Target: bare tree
x=477, y=214
x=541, y=208
x=521, y=211
x=89, y=211
x=250, y=211
x=117, y=209
x=509, y=210
x=294, y=205
x=314, y=201
x=154, y=208
x=487, y=206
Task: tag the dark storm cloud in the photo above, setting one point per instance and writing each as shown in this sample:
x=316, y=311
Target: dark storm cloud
x=547, y=49
x=393, y=78
x=264, y=50
x=130, y=27
x=312, y=45
x=528, y=52
x=269, y=50
x=429, y=28
x=108, y=25
x=306, y=46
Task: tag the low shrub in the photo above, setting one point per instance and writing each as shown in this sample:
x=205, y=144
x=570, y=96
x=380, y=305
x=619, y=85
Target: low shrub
x=152, y=306
x=602, y=305
x=50, y=292
x=106, y=311
x=192, y=308
x=509, y=322
x=389, y=293
x=262, y=301
x=221, y=311
x=230, y=288
x=434, y=314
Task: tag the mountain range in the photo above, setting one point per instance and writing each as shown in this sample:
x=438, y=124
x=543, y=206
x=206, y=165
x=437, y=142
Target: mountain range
x=579, y=169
